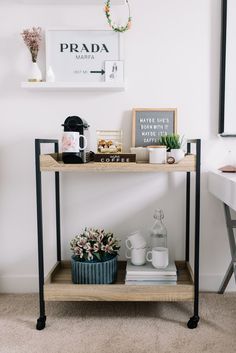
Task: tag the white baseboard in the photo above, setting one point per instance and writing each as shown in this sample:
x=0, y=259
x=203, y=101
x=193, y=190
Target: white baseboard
x=19, y=284
x=29, y=284
x=211, y=283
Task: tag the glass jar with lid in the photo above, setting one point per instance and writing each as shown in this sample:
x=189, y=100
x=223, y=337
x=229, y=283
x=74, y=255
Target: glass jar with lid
x=158, y=233
x=109, y=141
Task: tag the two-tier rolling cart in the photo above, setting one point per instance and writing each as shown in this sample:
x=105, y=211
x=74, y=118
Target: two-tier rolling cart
x=57, y=286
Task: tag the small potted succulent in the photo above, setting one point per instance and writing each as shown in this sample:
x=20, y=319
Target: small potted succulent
x=94, y=259
x=173, y=143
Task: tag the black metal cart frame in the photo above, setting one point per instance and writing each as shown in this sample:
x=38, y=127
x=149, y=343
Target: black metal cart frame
x=193, y=321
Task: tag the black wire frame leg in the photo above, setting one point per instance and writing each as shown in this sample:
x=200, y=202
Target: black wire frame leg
x=231, y=225
x=41, y=322
x=193, y=321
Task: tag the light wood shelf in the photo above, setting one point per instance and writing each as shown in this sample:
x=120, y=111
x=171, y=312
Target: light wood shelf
x=59, y=287
x=74, y=86
x=66, y=2
x=53, y=163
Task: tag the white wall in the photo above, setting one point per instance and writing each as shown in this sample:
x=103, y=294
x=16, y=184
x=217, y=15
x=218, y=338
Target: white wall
x=172, y=60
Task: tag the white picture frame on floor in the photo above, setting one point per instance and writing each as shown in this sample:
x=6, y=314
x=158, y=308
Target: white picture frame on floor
x=77, y=55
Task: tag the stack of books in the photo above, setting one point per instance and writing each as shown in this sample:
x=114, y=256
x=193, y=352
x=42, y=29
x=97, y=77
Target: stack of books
x=148, y=275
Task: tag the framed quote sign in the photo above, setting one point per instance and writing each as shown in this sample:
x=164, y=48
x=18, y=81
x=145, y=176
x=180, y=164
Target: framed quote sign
x=80, y=55
x=150, y=124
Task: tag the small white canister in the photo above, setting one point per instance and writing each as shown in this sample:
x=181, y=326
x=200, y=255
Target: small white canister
x=142, y=154
x=157, y=154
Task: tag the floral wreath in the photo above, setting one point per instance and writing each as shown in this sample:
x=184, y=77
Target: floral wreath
x=115, y=27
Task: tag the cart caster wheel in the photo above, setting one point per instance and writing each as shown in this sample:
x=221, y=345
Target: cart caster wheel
x=193, y=322
x=41, y=323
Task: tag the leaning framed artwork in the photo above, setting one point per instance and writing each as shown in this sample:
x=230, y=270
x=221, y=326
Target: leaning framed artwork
x=150, y=124
x=79, y=55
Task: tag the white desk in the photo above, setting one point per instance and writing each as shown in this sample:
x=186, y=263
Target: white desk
x=223, y=186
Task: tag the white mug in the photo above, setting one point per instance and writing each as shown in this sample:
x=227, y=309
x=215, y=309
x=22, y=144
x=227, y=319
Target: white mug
x=135, y=241
x=71, y=141
x=159, y=257
x=137, y=256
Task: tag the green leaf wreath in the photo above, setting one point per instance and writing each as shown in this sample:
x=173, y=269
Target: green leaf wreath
x=115, y=27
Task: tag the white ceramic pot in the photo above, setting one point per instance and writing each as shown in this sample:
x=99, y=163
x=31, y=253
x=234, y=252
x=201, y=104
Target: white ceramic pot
x=142, y=154
x=35, y=74
x=177, y=154
x=157, y=154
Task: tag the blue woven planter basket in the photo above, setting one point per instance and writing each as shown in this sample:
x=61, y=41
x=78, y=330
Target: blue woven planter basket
x=94, y=272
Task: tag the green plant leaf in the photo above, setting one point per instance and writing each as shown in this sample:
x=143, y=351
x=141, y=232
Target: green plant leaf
x=171, y=141
x=97, y=256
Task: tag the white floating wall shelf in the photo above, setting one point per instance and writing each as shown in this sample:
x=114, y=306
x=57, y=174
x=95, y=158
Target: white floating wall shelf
x=73, y=86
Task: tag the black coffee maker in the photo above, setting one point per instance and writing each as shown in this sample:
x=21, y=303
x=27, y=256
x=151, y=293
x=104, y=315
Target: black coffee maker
x=76, y=124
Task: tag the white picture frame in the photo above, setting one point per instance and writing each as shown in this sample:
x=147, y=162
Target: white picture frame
x=114, y=71
x=79, y=55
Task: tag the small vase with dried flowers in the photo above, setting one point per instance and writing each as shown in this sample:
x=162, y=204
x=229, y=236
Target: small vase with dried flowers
x=32, y=38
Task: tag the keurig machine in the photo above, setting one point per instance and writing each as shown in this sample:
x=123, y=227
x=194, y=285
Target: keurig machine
x=75, y=141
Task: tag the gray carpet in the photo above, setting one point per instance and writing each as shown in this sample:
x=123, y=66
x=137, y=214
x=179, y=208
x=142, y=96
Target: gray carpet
x=117, y=327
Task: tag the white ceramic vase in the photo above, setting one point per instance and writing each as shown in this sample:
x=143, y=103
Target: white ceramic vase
x=50, y=77
x=35, y=74
x=177, y=154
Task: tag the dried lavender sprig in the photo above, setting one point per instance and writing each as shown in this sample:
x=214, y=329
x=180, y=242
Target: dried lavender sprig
x=32, y=38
